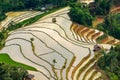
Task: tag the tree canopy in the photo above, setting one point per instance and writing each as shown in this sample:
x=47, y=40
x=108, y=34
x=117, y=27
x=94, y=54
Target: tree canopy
x=8, y=72
x=116, y=2
x=111, y=25
x=102, y=7
x=15, y=5
x=8, y=5
x=80, y=14
x=110, y=63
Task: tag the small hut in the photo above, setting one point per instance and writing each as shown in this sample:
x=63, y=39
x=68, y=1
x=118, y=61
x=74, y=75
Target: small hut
x=96, y=48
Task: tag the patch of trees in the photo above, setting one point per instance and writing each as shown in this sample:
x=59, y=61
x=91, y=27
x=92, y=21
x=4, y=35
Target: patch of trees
x=80, y=13
x=116, y=2
x=111, y=25
x=8, y=72
x=101, y=7
x=8, y=5
x=15, y=5
x=83, y=14
x=2, y=16
x=58, y=2
x=110, y=63
x=3, y=36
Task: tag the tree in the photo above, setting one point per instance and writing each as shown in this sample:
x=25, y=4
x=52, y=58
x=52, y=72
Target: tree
x=103, y=7
x=32, y=3
x=8, y=72
x=80, y=14
x=59, y=3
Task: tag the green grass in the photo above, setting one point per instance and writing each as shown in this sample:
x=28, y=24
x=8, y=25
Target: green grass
x=4, y=58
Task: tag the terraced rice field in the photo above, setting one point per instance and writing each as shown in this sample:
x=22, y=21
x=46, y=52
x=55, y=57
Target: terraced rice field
x=59, y=51
x=18, y=17
x=115, y=10
x=88, y=35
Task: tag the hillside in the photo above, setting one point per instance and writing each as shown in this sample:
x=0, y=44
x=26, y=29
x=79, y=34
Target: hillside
x=55, y=49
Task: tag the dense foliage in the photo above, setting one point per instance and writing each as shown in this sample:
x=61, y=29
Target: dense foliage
x=58, y=2
x=9, y=5
x=83, y=14
x=116, y=2
x=15, y=5
x=8, y=72
x=80, y=14
x=2, y=16
x=111, y=25
x=102, y=7
x=110, y=63
x=3, y=36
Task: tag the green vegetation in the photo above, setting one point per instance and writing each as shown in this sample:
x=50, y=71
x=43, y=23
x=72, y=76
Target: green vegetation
x=14, y=5
x=110, y=63
x=3, y=37
x=111, y=25
x=17, y=5
x=8, y=72
x=2, y=16
x=80, y=14
x=4, y=58
x=83, y=13
x=59, y=3
x=116, y=2
x=102, y=7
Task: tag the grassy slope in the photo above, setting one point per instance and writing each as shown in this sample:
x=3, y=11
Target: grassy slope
x=4, y=58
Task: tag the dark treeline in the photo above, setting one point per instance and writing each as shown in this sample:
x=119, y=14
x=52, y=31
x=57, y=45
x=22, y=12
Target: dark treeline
x=111, y=25
x=8, y=5
x=8, y=72
x=16, y=5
